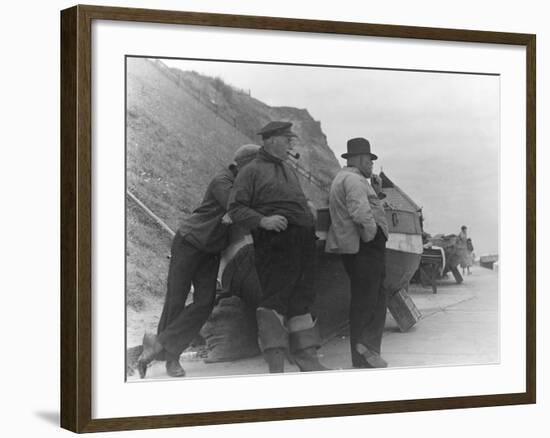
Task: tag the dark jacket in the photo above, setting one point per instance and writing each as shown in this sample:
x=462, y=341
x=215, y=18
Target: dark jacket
x=204, y=229
x=265, y=187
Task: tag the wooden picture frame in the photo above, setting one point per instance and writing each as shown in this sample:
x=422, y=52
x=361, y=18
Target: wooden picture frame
x=76, y=217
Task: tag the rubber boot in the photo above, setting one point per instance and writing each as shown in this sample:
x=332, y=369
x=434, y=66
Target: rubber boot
x=151, y=348
x=273, y=338
x=275, y=358
x=304, y=342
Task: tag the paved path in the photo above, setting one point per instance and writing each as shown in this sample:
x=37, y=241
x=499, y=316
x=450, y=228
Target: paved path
x=459, y=325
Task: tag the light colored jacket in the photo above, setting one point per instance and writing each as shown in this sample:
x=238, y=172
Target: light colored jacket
x=355, y=212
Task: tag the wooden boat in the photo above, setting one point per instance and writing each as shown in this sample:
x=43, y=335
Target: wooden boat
x=404, y=246
x=403, y=253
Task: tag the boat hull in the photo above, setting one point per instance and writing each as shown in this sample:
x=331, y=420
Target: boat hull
x=403, y=253
x=400, y=268
x=331, y=281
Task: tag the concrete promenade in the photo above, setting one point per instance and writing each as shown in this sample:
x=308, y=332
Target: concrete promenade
x=459, y=325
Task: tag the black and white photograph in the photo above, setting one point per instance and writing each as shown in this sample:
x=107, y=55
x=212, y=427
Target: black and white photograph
x=289, y=218
x=275, y=219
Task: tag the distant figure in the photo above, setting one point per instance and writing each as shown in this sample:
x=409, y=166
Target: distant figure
x=194, y=261
x=359, y=232
x=461, y=251
x=468, y=260
x=463, y=235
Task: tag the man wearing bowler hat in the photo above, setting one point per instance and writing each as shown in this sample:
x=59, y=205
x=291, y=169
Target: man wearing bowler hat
x=268, y=200
x=359, y=232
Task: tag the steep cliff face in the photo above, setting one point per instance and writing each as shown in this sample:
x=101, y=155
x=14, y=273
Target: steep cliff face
x=317, y=162
x=181, y=129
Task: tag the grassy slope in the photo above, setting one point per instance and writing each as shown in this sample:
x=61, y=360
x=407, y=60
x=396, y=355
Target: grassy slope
x=249, y=114
x=175, y=144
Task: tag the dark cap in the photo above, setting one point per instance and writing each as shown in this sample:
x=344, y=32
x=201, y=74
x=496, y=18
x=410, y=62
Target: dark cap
x=276, y=128
x=359, y=146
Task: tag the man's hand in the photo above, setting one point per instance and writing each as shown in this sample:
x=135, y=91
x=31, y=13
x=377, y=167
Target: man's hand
x=274, y=223
x=226, y=219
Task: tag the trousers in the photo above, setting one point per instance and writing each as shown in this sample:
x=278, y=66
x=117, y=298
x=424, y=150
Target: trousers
x=285, y=263
x=179, y=324
x=366, y=270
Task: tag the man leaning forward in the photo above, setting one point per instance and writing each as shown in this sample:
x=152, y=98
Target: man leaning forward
x=194, y=261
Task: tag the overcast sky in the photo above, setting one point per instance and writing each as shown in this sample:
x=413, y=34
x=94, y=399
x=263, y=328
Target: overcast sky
x=436, y=134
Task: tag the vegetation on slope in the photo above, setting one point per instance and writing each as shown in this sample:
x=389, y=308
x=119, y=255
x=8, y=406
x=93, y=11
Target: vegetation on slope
x=182, y=128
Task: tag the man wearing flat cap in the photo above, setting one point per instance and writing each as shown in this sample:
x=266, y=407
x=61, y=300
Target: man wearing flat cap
x=194, y=260
x=268, y=200
x=359, y=232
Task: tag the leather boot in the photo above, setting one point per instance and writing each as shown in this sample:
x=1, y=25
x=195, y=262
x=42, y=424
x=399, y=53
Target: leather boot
x=273, y=338
x=173, y=366
x=370, y=358
x=151, y=348
x=304, y=342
